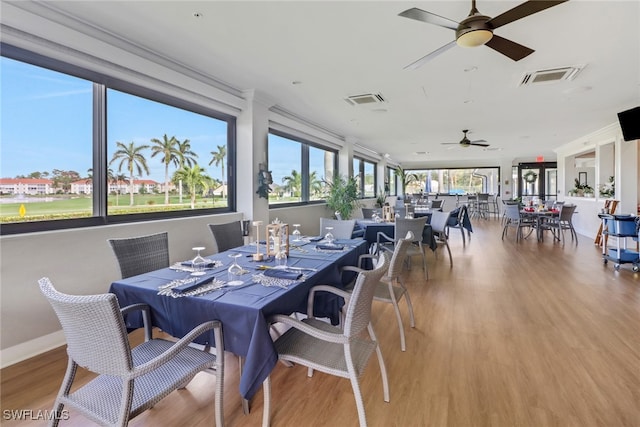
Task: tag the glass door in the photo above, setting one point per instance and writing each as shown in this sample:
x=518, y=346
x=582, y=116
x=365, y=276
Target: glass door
x=538, y=180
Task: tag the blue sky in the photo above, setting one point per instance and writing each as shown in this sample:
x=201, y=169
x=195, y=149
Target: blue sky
x=45, y=124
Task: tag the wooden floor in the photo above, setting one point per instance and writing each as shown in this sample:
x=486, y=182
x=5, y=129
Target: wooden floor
x=516, y=334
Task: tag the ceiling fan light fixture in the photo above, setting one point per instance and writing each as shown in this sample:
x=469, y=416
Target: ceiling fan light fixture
x=474, y=38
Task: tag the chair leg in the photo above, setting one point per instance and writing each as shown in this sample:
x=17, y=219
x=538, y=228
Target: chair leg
x=412, y=320
x=446, y=244
x=383, y=368
x=245, y=402
x=403, y=346
x=464, y=243
x=266, y=411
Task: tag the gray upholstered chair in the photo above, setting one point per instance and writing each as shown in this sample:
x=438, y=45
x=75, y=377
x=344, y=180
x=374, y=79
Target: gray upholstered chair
x=390, y=288
x=129, y=380
x=439, y=228
x=138, y=255
x=340, y=351
x=367, y=213
x=342, y=228
x=513, y=218
x=227, y=236
x=402, y=227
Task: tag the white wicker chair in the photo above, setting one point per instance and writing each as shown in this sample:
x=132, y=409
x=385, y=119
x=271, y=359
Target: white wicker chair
x=390, y=288
x=402, y=227
x=342, y=228
x=129, y=381
x=137, y=255
x=343, y=352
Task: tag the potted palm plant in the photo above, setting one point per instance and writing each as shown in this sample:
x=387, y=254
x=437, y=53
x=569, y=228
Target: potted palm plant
x=405, y=179
x=342, y=197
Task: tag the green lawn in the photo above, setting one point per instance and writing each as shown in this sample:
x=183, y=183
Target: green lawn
x=81, y=206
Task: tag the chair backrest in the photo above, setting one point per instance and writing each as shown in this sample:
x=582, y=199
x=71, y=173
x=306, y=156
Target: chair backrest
x=512, y=211
x=138, y=255
x=358, y=312
x=390, y=200
x=94, y=329
x=483, y=197
x=367, y=213
x=342, y=228
x=413, y=225
x=439, y=221
x=227, y=236
x=437, y=204
x=566, y=212
x=399, y=254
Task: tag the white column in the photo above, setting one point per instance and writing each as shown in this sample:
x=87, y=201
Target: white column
x=252, y=133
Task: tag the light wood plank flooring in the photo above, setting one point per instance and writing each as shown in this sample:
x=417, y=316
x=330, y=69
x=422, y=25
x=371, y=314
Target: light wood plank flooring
x=516, y=334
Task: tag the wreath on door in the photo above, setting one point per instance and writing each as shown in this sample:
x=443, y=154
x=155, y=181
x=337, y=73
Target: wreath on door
x=530, y=177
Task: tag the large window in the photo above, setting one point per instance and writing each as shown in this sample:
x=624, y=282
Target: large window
x=455, y=181
x=79, y=152
x=364, y=173
x=299, y=169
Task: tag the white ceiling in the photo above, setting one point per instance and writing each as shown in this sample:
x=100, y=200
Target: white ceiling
x=333, y=49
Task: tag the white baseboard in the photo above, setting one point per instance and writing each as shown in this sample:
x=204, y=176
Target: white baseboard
x=26, y=350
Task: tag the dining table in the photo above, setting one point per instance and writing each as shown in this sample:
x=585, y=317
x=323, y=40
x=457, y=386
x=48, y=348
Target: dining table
x=245, y=307
x=539, y=216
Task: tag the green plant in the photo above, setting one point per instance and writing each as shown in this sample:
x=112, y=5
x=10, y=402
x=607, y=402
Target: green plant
x=609, y=189
x=342, y=195
x=380, y=199
x=405, y=178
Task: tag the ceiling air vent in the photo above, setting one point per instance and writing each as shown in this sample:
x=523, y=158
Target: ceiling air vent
x=364, y=99
x=550, y=75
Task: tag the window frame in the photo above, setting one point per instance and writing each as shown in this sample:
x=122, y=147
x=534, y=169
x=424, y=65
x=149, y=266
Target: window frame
x=361, y=168
x=102, y=82
x=305, y=166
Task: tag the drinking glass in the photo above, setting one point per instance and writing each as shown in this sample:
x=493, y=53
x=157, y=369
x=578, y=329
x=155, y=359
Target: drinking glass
x=199, y=263
x=234, y=271
x=296, y=233
x=328, y=238
x=281, y=259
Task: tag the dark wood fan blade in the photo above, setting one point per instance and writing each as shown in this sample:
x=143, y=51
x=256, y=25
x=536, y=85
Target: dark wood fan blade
x=521, y=11
x=428, y=17
x=506, y=47
x=478, y=141
x=420, y=62
x=478, y=144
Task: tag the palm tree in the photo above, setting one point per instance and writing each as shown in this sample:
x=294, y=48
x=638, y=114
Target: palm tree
x=219, y=158
x=195, y=179
x=293, y=183
x=170, y=154
x=131, y=157
x=187, y=157
x=316, y=185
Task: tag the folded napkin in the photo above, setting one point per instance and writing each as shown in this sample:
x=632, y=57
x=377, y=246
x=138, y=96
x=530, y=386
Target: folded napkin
x=210, y=264
x=316, y=238
x=192, y=285
x=330, y=247
x=282, y=274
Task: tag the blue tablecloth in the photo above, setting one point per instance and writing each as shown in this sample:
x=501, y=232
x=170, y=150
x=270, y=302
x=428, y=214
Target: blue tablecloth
x=243, y=310
x=372, y=228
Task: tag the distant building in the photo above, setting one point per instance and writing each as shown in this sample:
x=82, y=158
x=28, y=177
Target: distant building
x=26, y=186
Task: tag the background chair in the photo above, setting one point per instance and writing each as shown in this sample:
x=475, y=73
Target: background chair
x=343, y=352
x=129, y=381
x=436, y=204
x=439, y=225
x=459, y=218
x=564, y=221
x=137, y=255
x=401, y=228
x=513, y=218
x=367, y=213
x=391, y=288
x=227, y=236
x=342, y=228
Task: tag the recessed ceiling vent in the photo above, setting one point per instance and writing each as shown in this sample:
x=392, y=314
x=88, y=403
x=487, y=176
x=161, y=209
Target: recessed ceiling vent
x=550, y=75
x=365, y=99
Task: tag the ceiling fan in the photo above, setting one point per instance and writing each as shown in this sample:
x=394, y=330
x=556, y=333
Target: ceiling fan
x=477, y=29
x=465, y=142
